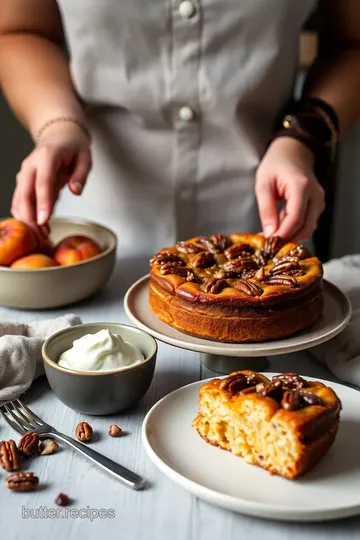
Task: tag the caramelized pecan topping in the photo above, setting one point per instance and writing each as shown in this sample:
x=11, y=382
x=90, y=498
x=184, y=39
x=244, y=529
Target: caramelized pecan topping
x=285, y=266
x=291, y=400
x=166, y=269
x=203, y=260
x=297, y=272
x=249, y=390
x=299, y=252
x=238, y=250
x=247, y=274
x=272, y=246
x=214, y=286
x=260, y=275
x=259, y=257
x=310, y=398
x=162, y=258
x=286, y=281
x=269, y=389
x=220, y=241
x=208, y=244
x=188, y=247
x=239, y=383
x=287, y=389
x=290, y=380
x=237, y=266
x=248, y=287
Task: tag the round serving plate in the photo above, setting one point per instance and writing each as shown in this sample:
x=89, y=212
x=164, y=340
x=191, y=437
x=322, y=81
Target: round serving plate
x=335, y=317
x=329, y=491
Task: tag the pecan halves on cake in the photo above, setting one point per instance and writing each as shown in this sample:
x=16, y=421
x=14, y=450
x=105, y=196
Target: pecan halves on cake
x=237, y=266
x=220, y=241
x=285, y=281
x=309, y=398
x=203, y=260
x=291, y=400
x=188, y=247
x=214, y=286
x=285, y=266
x=163, y=258
x=185, y=273
x=290, y=380
x=300, y=252
x=259, y=257
x=234, y=383
x=238, y=250
x=272, y=246
x=247, y=287
x=260, y=275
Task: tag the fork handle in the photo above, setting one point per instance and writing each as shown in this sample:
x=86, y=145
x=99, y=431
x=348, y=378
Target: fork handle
x=121, y=473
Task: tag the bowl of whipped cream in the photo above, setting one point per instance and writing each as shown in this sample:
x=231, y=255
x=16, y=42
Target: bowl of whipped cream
x=100, y=368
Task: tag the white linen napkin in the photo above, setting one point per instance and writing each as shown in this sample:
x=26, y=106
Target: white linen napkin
x=342, y=354
x=20, y=352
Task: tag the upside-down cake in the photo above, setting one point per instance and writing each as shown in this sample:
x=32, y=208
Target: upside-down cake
x=236, y=288
x=284, y=425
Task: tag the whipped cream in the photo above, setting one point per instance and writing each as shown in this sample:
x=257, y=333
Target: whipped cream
x=103, y=351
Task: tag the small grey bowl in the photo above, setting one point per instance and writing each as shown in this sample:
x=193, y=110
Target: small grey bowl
x=99, y=393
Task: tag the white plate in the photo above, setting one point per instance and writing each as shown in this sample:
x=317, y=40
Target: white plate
x=330, y=491
x=336, y=315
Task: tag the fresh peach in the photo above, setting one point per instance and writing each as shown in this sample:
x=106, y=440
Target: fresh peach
x=74, y=249
x=16, y=240
x=35, y=260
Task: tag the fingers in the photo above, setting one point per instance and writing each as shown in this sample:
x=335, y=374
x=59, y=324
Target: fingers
x=297, y=196
x=47, y=170
x=267, y=202
x=80, y=172
x=23, y=202
x=315, y=208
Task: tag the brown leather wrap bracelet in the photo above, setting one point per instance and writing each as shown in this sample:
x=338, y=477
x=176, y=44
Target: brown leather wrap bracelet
x=314, y=123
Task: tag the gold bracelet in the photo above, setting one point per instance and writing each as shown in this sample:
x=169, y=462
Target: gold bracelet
x=59, y=119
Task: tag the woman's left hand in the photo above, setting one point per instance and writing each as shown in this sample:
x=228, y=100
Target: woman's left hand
x=286, y=174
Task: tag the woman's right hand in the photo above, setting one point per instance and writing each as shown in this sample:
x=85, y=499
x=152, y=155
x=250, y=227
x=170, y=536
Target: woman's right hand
x=62, y=156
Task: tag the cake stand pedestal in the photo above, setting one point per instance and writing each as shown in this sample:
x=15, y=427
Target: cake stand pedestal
x=219, y=363
x=228, y=357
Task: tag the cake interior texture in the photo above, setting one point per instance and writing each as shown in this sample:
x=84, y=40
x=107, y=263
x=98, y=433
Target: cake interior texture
x=286, y=441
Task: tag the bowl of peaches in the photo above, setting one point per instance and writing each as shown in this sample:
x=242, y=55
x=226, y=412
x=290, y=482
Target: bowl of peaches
x=72, y=265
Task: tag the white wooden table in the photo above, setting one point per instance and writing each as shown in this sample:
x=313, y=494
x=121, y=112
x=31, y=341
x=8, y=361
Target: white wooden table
x=163, y=511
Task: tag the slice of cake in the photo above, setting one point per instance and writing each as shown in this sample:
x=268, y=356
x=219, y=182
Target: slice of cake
x=284, y=425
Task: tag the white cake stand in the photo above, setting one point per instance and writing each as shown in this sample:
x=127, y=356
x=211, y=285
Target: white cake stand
x=228, y=357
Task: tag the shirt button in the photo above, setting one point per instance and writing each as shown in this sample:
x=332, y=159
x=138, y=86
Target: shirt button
x=186, y=114
x=187, y=9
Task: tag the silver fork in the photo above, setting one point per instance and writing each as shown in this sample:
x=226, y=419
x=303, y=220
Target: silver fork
x=23, y=420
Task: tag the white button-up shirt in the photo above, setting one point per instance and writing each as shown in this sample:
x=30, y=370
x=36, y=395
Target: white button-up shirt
x=182, y=99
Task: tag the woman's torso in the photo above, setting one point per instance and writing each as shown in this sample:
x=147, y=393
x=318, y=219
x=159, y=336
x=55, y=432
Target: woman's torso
x=159, y=176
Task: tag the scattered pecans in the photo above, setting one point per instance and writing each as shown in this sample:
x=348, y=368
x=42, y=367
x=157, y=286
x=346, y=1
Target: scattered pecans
x=115, y=431
x=48, y=446
x=9, y=456
x=22, y=481
x=84, y=432
x=28, y=444
x=62, y=500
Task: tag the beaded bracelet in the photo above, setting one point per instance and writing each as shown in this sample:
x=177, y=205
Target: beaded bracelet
x=59, y=119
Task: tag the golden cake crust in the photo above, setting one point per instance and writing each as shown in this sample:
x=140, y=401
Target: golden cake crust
x=236, y=288
x=284, y=425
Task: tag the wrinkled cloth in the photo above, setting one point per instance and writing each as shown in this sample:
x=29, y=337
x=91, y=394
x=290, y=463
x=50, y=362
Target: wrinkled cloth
x=20, y=352
x=342, y=354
